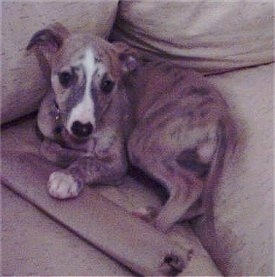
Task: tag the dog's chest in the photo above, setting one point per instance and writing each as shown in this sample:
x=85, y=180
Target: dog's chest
x=103, y=141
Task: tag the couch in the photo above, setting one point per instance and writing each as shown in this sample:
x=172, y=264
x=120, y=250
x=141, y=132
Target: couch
x=231, y=44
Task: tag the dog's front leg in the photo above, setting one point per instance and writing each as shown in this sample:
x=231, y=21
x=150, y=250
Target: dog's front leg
x=56, y=153
x=107, y=169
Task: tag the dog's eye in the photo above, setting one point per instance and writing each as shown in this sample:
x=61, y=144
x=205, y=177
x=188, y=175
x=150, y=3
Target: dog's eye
x=107, y=86
x=65, y=79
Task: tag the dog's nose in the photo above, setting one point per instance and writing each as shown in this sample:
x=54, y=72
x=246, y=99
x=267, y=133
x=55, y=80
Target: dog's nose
x=81, y=130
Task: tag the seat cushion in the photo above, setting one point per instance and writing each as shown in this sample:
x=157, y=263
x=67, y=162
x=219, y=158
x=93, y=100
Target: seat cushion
x=35, y=245
x=244, y=199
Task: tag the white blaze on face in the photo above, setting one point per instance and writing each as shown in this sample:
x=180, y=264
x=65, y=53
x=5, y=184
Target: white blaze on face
x=84, y=111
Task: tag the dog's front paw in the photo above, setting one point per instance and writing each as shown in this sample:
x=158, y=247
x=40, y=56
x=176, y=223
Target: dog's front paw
x=63, y=186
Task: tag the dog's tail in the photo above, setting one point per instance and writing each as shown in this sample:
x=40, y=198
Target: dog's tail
x=205, y=226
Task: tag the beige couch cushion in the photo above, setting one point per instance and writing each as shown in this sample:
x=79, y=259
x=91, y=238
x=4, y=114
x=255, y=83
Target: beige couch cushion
x=211, y=36
x=244, y=202
x=46, y=247
x=22, y=82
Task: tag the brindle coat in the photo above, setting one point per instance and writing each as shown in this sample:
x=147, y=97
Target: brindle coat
x=167, y=121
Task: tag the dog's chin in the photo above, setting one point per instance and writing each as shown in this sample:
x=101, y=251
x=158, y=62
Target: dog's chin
x=73, y=142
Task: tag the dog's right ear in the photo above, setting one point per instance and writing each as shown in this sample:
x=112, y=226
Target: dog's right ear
x=49, y=40
x=128, y=56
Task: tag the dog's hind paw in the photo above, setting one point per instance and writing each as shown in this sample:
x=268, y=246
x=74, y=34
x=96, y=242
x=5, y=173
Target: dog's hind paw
x=172, y=265
x=63, y=186
x=147, y=214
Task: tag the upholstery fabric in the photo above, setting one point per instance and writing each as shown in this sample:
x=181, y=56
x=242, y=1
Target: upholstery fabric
x=46, y=248
x=23, y=84
x=210, y=36
x=244, y=199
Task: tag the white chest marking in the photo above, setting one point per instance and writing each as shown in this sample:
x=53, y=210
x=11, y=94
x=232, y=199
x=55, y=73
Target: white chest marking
x=84, y=111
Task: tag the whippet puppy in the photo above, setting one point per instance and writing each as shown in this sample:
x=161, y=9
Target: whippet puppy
x=107, y=109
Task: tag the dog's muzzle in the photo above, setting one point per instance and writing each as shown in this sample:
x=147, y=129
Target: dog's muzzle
x=77, y=136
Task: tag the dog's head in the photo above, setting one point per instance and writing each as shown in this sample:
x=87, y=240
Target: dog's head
x=86, y=75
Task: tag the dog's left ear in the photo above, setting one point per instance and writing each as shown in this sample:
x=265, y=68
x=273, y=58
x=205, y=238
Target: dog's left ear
x=49, y=40
x=128, y=56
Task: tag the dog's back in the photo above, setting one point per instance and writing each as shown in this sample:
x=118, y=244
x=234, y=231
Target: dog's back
x=183, y=131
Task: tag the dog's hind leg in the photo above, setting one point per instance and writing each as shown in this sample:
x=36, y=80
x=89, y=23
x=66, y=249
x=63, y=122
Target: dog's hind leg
x=184, y=190
x=183, y=186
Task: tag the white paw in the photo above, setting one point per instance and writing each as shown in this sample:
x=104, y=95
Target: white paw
x=63, y=186
x=147, y=214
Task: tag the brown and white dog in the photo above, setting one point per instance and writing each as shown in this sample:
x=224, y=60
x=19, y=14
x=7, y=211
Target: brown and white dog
x=107, y=109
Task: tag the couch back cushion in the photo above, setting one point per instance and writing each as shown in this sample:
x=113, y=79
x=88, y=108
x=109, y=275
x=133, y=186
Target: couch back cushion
x=23, y=84
x=208, y=36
